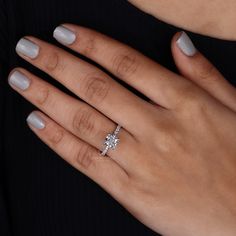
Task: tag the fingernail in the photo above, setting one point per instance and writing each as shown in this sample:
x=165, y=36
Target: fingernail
x=186, y=45
x=19, y=80
x=27, y=48
x=64, y=35
x=36, y=121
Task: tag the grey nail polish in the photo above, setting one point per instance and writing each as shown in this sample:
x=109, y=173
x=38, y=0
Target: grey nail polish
x=19, y=80
x=36, y=121
x=64, y=35
x=27, y=48
x=186, y=45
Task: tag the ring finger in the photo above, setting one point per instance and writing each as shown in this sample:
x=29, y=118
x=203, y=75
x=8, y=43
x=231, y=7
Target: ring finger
x=76, y=116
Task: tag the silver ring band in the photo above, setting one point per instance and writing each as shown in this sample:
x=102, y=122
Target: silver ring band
x=111, y=141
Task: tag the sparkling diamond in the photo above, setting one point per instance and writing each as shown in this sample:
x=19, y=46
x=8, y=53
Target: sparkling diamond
x=111, y=141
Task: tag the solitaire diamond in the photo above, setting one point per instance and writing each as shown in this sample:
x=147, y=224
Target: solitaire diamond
x=111, y=141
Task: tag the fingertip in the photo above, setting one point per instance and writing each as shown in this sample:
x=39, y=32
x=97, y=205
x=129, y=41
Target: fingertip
x=185, y=45
x=184, y=53
x=176, y=37
x=174, y=47
x=36, y=120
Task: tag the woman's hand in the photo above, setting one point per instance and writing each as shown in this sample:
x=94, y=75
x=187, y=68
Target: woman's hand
x=209, y=17
x=175, y=166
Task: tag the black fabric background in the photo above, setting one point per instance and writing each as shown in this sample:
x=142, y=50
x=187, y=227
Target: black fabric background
x=40, y=194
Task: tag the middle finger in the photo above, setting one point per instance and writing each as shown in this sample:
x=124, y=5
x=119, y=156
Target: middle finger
x=88, y=82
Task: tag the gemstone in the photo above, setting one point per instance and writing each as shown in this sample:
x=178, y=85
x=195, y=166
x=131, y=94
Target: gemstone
x=111, y=141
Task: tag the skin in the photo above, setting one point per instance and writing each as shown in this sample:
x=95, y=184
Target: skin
x=213, y=17
x=175, y=167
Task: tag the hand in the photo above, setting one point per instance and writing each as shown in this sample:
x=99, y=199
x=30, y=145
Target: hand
x=175, y=166
x=213, y=18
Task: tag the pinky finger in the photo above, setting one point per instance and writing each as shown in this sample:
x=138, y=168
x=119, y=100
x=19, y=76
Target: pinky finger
x=85, y=158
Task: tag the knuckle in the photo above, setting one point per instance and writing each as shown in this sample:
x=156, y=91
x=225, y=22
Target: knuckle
x=83, y=122
x=125, y=64
x=85, y=156
x=42, y=96
x=192, y=104
x=95, y=88
x=53, y=62
x=89, y=46
x=169, y=140
x=206, y=71
x=188, y=97
x=56, y=136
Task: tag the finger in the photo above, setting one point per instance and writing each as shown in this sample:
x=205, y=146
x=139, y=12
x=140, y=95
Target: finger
x=156, y=82
x=194, y=66
x=79, y=154
x=77, y=117
x=88, y=82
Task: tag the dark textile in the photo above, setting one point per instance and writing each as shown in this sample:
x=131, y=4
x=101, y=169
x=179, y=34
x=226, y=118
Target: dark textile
x=40, y=194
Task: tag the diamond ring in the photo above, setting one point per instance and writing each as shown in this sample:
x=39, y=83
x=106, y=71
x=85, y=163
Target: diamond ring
x=111, y=141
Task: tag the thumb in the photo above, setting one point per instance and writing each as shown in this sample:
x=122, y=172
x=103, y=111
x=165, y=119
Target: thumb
x=194, y=66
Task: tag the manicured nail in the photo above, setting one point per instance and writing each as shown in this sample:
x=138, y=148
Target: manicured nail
x=36, y=121
x=27, y=48
x=64, y=35
x=186, y=45
x=19, y=80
